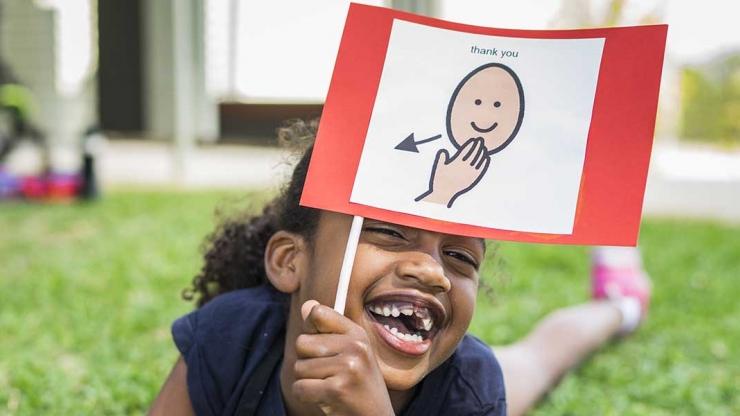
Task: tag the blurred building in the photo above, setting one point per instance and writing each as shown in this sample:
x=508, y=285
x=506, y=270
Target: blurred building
x=198, y=70
x=172, y=69
x=49, y=46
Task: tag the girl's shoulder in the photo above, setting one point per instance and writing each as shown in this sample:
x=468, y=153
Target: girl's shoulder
x=232, y=315
x=225, y=339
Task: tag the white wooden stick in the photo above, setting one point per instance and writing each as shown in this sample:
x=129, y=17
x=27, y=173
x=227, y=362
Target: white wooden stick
x=347, y=263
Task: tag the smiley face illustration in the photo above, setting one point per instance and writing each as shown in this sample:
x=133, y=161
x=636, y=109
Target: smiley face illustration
x=488, y=104
x=484, y=115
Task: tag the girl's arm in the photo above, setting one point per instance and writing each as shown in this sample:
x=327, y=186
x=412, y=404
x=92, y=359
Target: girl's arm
x=173, y=399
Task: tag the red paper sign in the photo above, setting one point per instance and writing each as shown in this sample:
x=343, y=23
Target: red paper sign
x=525, y=135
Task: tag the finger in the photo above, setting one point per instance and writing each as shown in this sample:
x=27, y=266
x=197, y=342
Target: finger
x=484, y=162
x=306, y=308
x=442, y=156
x=325, y=320
x=481, y=151
x=465, y=148
x=311, y=390
x=318, y=368
x=471, y=145
x=318, y=345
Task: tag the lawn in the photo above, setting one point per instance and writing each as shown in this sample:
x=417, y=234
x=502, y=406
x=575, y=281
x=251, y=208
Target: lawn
x=87, y=294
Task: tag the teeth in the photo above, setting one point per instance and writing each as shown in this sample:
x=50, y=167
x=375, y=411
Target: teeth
x=421, y=312
x=427, y=322
x=396, y=310
x=416, y=338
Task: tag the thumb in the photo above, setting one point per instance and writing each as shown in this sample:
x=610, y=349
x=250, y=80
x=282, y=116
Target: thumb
x=306, y=308
x=442, y=157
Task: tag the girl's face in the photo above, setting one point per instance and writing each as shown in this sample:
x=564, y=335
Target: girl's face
x=413, y=291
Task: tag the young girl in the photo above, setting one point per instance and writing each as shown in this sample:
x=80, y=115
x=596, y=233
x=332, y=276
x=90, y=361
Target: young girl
x=266, y=341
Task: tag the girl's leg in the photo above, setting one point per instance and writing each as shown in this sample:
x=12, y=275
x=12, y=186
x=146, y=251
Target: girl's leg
x=564, y=338
x=560, y=341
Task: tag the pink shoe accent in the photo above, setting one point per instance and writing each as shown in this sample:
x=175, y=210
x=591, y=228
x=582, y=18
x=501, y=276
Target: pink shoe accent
x=617, y=273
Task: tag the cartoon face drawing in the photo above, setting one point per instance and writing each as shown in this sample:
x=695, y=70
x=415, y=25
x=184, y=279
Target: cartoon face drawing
x=487, y=104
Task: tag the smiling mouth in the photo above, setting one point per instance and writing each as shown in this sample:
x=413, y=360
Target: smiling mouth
x=480, y=130
x=407, y=324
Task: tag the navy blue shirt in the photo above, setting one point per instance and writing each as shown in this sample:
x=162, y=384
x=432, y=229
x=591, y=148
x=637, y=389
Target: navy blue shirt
x=223, y=342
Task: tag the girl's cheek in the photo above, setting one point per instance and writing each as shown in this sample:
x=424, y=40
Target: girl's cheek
x=462, y=296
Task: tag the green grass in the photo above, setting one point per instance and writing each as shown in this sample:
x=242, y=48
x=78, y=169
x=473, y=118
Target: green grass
x=87, y=294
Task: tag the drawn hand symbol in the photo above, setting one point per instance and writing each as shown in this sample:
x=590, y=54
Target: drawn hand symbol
x=453, y=176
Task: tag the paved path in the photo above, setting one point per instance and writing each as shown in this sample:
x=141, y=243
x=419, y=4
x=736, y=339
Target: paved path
x=151, y=163
x=692, y=181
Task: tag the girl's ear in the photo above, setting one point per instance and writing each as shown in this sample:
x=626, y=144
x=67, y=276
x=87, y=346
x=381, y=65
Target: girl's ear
x=285, y=261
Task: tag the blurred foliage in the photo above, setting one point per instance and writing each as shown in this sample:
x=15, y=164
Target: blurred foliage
x=710, y=101
x=88, y=292
x=586, y=14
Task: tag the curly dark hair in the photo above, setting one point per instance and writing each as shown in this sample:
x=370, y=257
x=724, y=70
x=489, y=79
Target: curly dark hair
x=234, y=252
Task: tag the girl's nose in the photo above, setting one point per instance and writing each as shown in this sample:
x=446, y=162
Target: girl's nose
x=424, y=270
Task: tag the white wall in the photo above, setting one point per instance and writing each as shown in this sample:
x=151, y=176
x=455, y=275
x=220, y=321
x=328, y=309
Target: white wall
x=285, y=49
x=177, y=104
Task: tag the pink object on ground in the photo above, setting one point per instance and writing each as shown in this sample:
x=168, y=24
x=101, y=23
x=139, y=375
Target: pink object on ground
x=617, y=273
x=52, y=187
x=34, y=187
x=63, y=186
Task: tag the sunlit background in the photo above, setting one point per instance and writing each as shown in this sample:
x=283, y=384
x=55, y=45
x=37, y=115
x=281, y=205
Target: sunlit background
x=155, y=111
x=181, y=74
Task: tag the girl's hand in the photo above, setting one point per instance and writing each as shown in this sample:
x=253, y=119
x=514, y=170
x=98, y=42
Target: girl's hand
x=336, y=367
x=454, y=175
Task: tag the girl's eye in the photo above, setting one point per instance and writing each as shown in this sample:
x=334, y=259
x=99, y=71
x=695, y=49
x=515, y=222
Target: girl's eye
x=462, y=256
x=386, y=231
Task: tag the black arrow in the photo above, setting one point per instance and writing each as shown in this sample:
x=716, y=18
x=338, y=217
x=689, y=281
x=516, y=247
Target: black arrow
x=408, y=144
